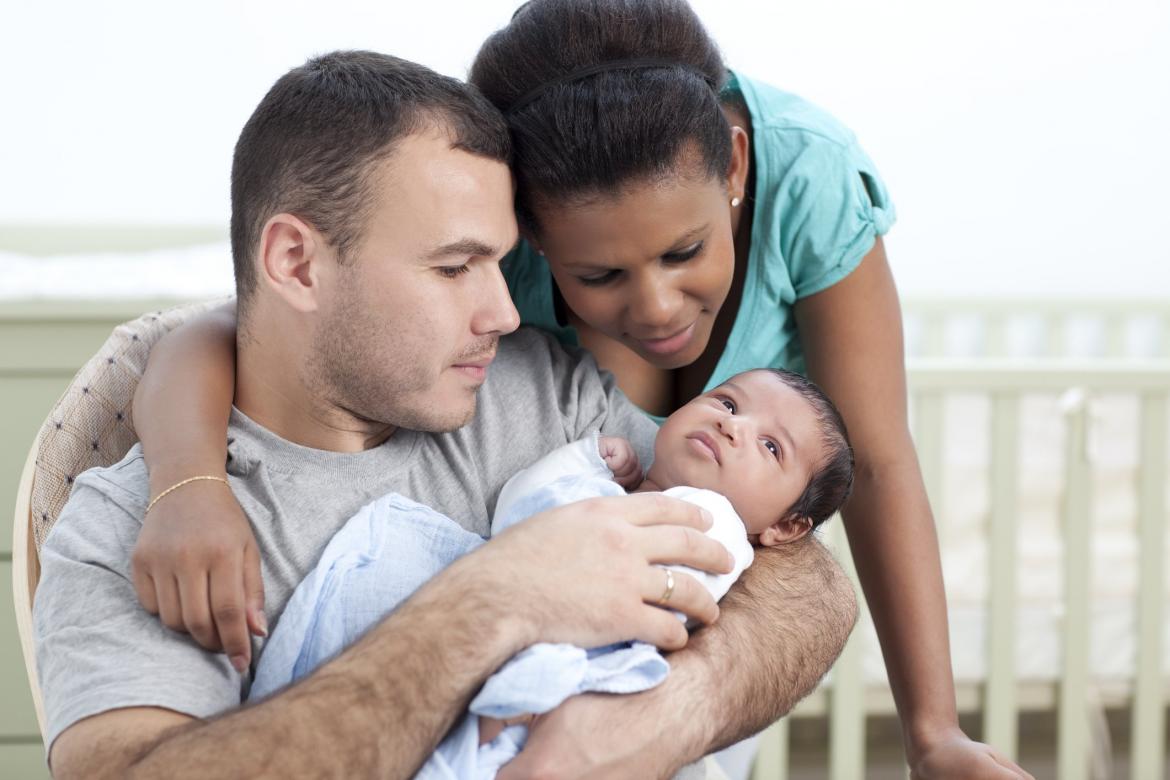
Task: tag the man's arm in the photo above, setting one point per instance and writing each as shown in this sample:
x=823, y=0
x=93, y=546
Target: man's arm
x=582, y=573
x=781, y=627
x=379, y=709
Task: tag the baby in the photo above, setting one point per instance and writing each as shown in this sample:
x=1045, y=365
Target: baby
x=765, y=452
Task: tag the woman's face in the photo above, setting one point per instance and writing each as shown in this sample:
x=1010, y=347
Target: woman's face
x=649, y=267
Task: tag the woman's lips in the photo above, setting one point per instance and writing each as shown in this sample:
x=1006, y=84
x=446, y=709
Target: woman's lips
x=670, y=344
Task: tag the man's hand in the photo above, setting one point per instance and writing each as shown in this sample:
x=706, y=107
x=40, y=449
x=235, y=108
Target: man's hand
x=585, y=573
x=954, y=755
x=196, y=565
x=619, y=455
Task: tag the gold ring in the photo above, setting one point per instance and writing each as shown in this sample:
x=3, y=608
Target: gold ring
x=666, y=594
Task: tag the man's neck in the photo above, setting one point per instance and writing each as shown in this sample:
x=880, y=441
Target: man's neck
x=283, y=404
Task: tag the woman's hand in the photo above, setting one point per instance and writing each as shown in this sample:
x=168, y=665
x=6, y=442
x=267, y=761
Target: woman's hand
x=197, y=566
x=954, y=755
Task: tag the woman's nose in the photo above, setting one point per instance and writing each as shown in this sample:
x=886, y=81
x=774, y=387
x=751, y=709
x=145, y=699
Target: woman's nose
x=653, y=307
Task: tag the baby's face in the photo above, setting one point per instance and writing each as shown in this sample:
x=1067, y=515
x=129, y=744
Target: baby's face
x=753, y=439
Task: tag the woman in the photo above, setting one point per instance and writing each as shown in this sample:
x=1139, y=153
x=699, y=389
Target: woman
x=684, y=223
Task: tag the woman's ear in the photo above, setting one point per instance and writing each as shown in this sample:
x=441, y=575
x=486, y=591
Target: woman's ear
x=785, y=531
x=737, y=172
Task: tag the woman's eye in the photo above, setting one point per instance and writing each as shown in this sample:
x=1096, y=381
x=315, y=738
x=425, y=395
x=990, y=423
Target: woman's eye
x=598, y=279
x=683, y=255
x=728, y=404
x=771, y=447
x=451, y=271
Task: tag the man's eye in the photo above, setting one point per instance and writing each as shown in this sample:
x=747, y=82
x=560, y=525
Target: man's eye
x=728, y=404
x=771, y=447
x=598, y=279
x=451, y=271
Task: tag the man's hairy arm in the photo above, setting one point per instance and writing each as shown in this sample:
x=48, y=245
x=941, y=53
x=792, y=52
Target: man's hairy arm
x=780, y=628
x=583, y=573
x=359, y=715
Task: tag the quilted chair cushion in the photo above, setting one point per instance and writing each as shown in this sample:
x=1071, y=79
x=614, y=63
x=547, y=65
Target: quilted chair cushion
x=90, y=425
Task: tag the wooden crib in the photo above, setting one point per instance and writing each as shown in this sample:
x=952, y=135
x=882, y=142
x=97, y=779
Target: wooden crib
x=1002, y=374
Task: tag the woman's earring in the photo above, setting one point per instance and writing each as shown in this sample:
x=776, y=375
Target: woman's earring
x=735, y=201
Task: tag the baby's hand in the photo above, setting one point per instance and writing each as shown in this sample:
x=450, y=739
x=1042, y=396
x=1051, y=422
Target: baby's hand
x=619, y=455
x=196, y=565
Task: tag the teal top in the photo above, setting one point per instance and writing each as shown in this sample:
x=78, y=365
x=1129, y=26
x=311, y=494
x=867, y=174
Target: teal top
x=819, y=205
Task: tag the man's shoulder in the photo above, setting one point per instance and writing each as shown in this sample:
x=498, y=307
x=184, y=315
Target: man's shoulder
x=118, y=491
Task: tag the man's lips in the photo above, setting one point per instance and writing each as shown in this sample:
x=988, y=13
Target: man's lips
x=706, y=444
x=482, y=362
x=476, y=368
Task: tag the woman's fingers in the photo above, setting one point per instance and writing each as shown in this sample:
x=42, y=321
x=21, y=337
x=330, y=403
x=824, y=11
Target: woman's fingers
x=195, y=612
x=229, y=612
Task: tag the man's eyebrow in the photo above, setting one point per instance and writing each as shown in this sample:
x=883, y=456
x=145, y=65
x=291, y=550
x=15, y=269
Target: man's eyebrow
x=464, y=247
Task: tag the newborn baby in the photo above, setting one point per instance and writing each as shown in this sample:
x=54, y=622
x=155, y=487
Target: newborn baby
x=765, y=452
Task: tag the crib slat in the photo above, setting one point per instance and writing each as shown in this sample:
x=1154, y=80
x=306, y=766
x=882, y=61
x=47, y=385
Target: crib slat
x=1115, y=327
x=934, y=335
x=1072, y=718
x=1148, y=713
x=999, y=714
x=772, y=760
x=847, y=697
x=1056, y=335
x=995, y=330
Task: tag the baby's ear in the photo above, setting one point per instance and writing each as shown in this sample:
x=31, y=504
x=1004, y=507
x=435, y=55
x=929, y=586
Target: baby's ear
x=784, y=531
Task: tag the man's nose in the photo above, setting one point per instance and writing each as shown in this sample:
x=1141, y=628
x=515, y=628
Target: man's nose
x=497, y=314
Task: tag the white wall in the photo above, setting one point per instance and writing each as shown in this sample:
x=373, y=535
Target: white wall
x=1027, y=144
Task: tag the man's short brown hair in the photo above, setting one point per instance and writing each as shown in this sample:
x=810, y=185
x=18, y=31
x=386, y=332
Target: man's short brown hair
x=309, y=147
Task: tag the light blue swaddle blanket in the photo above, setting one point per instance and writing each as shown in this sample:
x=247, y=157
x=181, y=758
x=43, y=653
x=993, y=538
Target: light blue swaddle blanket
x=392, y=547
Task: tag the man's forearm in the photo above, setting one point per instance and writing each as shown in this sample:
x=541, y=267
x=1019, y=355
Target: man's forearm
x=780, y=629
x=378, y=710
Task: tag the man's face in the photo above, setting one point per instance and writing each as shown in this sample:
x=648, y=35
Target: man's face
x=410, y=321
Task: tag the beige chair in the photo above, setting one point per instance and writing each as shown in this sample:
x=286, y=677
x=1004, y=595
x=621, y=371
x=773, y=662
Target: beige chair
x=89, y=426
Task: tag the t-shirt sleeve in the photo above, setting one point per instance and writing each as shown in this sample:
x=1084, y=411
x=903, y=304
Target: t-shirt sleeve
x=831, y=206
x=603, y=407
x=97, y=649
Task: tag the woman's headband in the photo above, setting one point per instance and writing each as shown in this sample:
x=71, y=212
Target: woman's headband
x=643, y=63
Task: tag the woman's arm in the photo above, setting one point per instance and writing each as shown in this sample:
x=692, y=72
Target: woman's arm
x=196, y=563
x=852, y=339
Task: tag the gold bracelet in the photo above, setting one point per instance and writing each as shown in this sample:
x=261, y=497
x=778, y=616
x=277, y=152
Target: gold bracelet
x=178, y=485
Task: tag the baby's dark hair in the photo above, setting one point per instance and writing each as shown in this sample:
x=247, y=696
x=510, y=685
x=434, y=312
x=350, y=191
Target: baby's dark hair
x=832, y=479
x=602, y=94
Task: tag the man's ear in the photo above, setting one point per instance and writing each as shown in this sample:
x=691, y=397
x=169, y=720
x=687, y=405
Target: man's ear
x=785, y=531
x=291, y=261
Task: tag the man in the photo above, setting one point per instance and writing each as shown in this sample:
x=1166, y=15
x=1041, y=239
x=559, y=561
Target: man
x=371, y=207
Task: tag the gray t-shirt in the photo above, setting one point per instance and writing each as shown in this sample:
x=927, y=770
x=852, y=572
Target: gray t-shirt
x=98, y=649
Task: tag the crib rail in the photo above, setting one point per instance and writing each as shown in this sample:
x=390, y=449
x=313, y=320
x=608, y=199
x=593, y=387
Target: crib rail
x=1060, y=327
x=1006, y=382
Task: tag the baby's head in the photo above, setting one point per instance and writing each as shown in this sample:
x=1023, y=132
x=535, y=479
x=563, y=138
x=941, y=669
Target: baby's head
x=771, y=442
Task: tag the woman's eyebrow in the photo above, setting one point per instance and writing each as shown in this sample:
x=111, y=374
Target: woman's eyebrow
x=686, y=239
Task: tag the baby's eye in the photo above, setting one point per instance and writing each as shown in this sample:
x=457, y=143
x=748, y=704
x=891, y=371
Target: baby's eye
x=728, y=404
x=771, y=447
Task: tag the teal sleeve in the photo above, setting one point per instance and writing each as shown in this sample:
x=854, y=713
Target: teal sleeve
x=832, y=206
